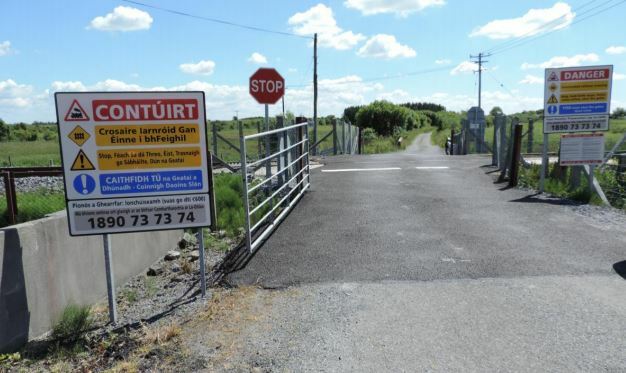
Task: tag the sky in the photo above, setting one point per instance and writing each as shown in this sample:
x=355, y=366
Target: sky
x=397, y=50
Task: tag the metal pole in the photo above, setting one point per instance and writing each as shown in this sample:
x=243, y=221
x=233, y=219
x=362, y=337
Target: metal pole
x=494, y=149
x=202, y=262
x=544, y=163
x=591, y=168
x=343, y=137
x=244, y=176
x=480, y=77
x=349, y=138
x=268, y=164
x=314, y=93
x=334, y=136
x=110, y=280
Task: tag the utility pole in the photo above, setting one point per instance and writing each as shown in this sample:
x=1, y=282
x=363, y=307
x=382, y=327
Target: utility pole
x=479, y=60
x=315, y=92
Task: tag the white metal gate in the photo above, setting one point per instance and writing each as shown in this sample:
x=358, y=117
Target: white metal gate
x=270, y=194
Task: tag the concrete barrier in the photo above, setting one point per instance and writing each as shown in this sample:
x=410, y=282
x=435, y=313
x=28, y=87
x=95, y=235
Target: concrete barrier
x=43, y=269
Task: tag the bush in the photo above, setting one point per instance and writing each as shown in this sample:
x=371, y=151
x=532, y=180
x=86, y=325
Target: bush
x=74, y=322
x=229, y=203
x=369, y=134
x=384, y=117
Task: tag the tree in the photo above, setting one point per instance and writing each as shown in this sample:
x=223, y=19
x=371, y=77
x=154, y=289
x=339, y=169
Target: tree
x=618, y=113
x=349, y=113
x=496, y=110
x=4, y=131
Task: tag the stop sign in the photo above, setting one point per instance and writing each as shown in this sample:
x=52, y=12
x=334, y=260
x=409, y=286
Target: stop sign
x=267, y=86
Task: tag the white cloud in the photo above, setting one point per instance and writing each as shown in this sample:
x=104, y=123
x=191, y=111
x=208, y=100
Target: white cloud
x=618, y=76
x=465, y=67
x=443, y=61
x=535, y=21
x=15, y=96
x=5, y=48
x=257, y=58
x=562, y=61
x=386, y=47
x=292, y=70
x=68, y=86
x=123, y=18
x=531, y=79
x=205, y=67
x=401, y=8
x=320, y=19
x=616, y=49
x=397, y=96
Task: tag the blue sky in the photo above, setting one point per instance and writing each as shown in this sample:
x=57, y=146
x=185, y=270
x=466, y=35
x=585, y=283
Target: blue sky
x=369, y=49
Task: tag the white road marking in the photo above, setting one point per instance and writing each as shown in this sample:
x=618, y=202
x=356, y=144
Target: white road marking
x=432, y=167
x=364, y=169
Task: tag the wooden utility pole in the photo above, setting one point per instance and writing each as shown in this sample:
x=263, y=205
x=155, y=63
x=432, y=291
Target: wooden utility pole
x=479, y=60
x=315, y=92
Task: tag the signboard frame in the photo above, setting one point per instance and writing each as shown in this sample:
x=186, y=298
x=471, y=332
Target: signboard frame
x=205, y=166
x=593, y=114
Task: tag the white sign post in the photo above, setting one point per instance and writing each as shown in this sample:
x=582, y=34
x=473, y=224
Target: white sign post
x=134, y=162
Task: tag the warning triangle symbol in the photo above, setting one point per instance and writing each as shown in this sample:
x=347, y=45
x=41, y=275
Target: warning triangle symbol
x=76, y=113
x=553, y=76
x=553, y=100
x=82, y=163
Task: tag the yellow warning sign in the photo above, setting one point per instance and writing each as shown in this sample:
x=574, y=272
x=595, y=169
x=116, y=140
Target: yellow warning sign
x=82, y=163
x=125, y=159
x=584, y=97
x=147, y=134
x=553, y=100
x=79, y=135
x=594, y=85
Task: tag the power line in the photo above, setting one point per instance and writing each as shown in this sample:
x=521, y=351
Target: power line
x=215, y=20
x=525, y=41
x=380, y=78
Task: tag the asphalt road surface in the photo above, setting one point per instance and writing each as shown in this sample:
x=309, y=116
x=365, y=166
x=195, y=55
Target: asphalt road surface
x=418, y=261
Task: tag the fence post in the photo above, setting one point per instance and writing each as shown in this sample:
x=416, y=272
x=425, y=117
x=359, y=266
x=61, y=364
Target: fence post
x=494, y=143
x=258, y=140
x=334, y=136
x=452, y=141
x=545, y=159
x=280, y=164
x=343, y=137
x=531, y=137
x=502, y=142
x=214, y=136
x=301, y=151
x=9, y=187
x=360, y=140
x=244, y=176
x=517, y=150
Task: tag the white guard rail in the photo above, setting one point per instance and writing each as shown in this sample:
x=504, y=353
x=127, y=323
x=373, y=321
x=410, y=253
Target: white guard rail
x=267, y=200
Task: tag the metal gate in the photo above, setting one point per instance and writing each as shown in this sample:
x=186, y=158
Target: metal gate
x=269, y=194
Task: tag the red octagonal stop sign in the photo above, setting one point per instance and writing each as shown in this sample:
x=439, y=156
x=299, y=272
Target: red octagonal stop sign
x=267, y=86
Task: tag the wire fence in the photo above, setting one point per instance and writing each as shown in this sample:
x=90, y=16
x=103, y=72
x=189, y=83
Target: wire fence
x=29, y=193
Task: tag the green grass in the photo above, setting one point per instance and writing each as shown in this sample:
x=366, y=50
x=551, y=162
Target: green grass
x=29, y=153
x=388, y=144
x=32, y=205
x=617, y=128
x=73, y=323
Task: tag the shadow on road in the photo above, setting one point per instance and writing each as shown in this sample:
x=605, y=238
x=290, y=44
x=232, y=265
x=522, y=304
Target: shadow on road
x=620, y=268
x=539, y=198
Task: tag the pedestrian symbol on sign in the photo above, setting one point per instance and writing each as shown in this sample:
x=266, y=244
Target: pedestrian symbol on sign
x=552, y=109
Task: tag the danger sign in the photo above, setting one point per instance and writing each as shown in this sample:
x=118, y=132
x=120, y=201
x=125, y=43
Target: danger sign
x=138, y=161
x=267, y=86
